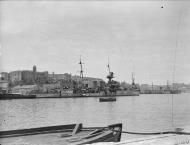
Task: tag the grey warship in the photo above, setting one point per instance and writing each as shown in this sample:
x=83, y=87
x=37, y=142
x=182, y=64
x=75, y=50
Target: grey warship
x=110, y=89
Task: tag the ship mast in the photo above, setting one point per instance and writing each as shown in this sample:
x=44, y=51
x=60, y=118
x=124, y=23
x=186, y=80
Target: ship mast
x=152, y=86
x=167, y=85
x=108, y=66
x=81, y=69
x=110, y=75
x=133, y=79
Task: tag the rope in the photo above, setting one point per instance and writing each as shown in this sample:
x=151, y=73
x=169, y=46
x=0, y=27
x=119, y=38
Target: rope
x=174, y=63
x=154, y=133
x=139, y=140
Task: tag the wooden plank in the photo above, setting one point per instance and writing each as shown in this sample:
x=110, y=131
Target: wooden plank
x=77, y=128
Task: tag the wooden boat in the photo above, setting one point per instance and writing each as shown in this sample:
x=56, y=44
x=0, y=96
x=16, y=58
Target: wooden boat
x=107, y=99
x=73, y=134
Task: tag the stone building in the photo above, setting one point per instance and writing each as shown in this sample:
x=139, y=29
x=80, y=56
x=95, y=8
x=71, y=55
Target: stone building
x=4, y=76
x=4, y=86
x=58, y=77
x=28, y=77
x=51, y=88
x=25, y=89
x=41, y=77
x=15, y=76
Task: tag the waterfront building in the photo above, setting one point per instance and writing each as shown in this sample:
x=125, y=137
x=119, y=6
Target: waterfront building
x=50, y=88
x=4, y=82
x=4, y=76
x=66, y=92
x=4, y=86
x=25, y=89
x=41, y=77
x=157, y=89
x=58, y=77
x=28, y=77
x=15, y=76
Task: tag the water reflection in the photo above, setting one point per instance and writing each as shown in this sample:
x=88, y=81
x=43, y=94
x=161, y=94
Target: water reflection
x=139, y=113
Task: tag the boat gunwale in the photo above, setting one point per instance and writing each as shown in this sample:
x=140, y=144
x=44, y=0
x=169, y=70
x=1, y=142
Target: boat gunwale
x=50, y=129
x=39, y=130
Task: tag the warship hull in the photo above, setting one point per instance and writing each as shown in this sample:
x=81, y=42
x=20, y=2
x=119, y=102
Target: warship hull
x=16, y=96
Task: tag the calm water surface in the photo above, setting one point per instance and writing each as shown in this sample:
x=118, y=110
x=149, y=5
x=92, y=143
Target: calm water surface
x=140, y=113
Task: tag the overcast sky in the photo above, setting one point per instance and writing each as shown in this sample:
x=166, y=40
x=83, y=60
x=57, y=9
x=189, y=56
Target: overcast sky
x=137, y=36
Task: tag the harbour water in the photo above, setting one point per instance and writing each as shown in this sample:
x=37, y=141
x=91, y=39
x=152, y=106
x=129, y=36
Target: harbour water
x=144, y=113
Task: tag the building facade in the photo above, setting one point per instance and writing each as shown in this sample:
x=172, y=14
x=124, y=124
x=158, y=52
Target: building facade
x=4, y=76
x=28, y=77
x=15, y=76
x=41, y=77
x=25, y=89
